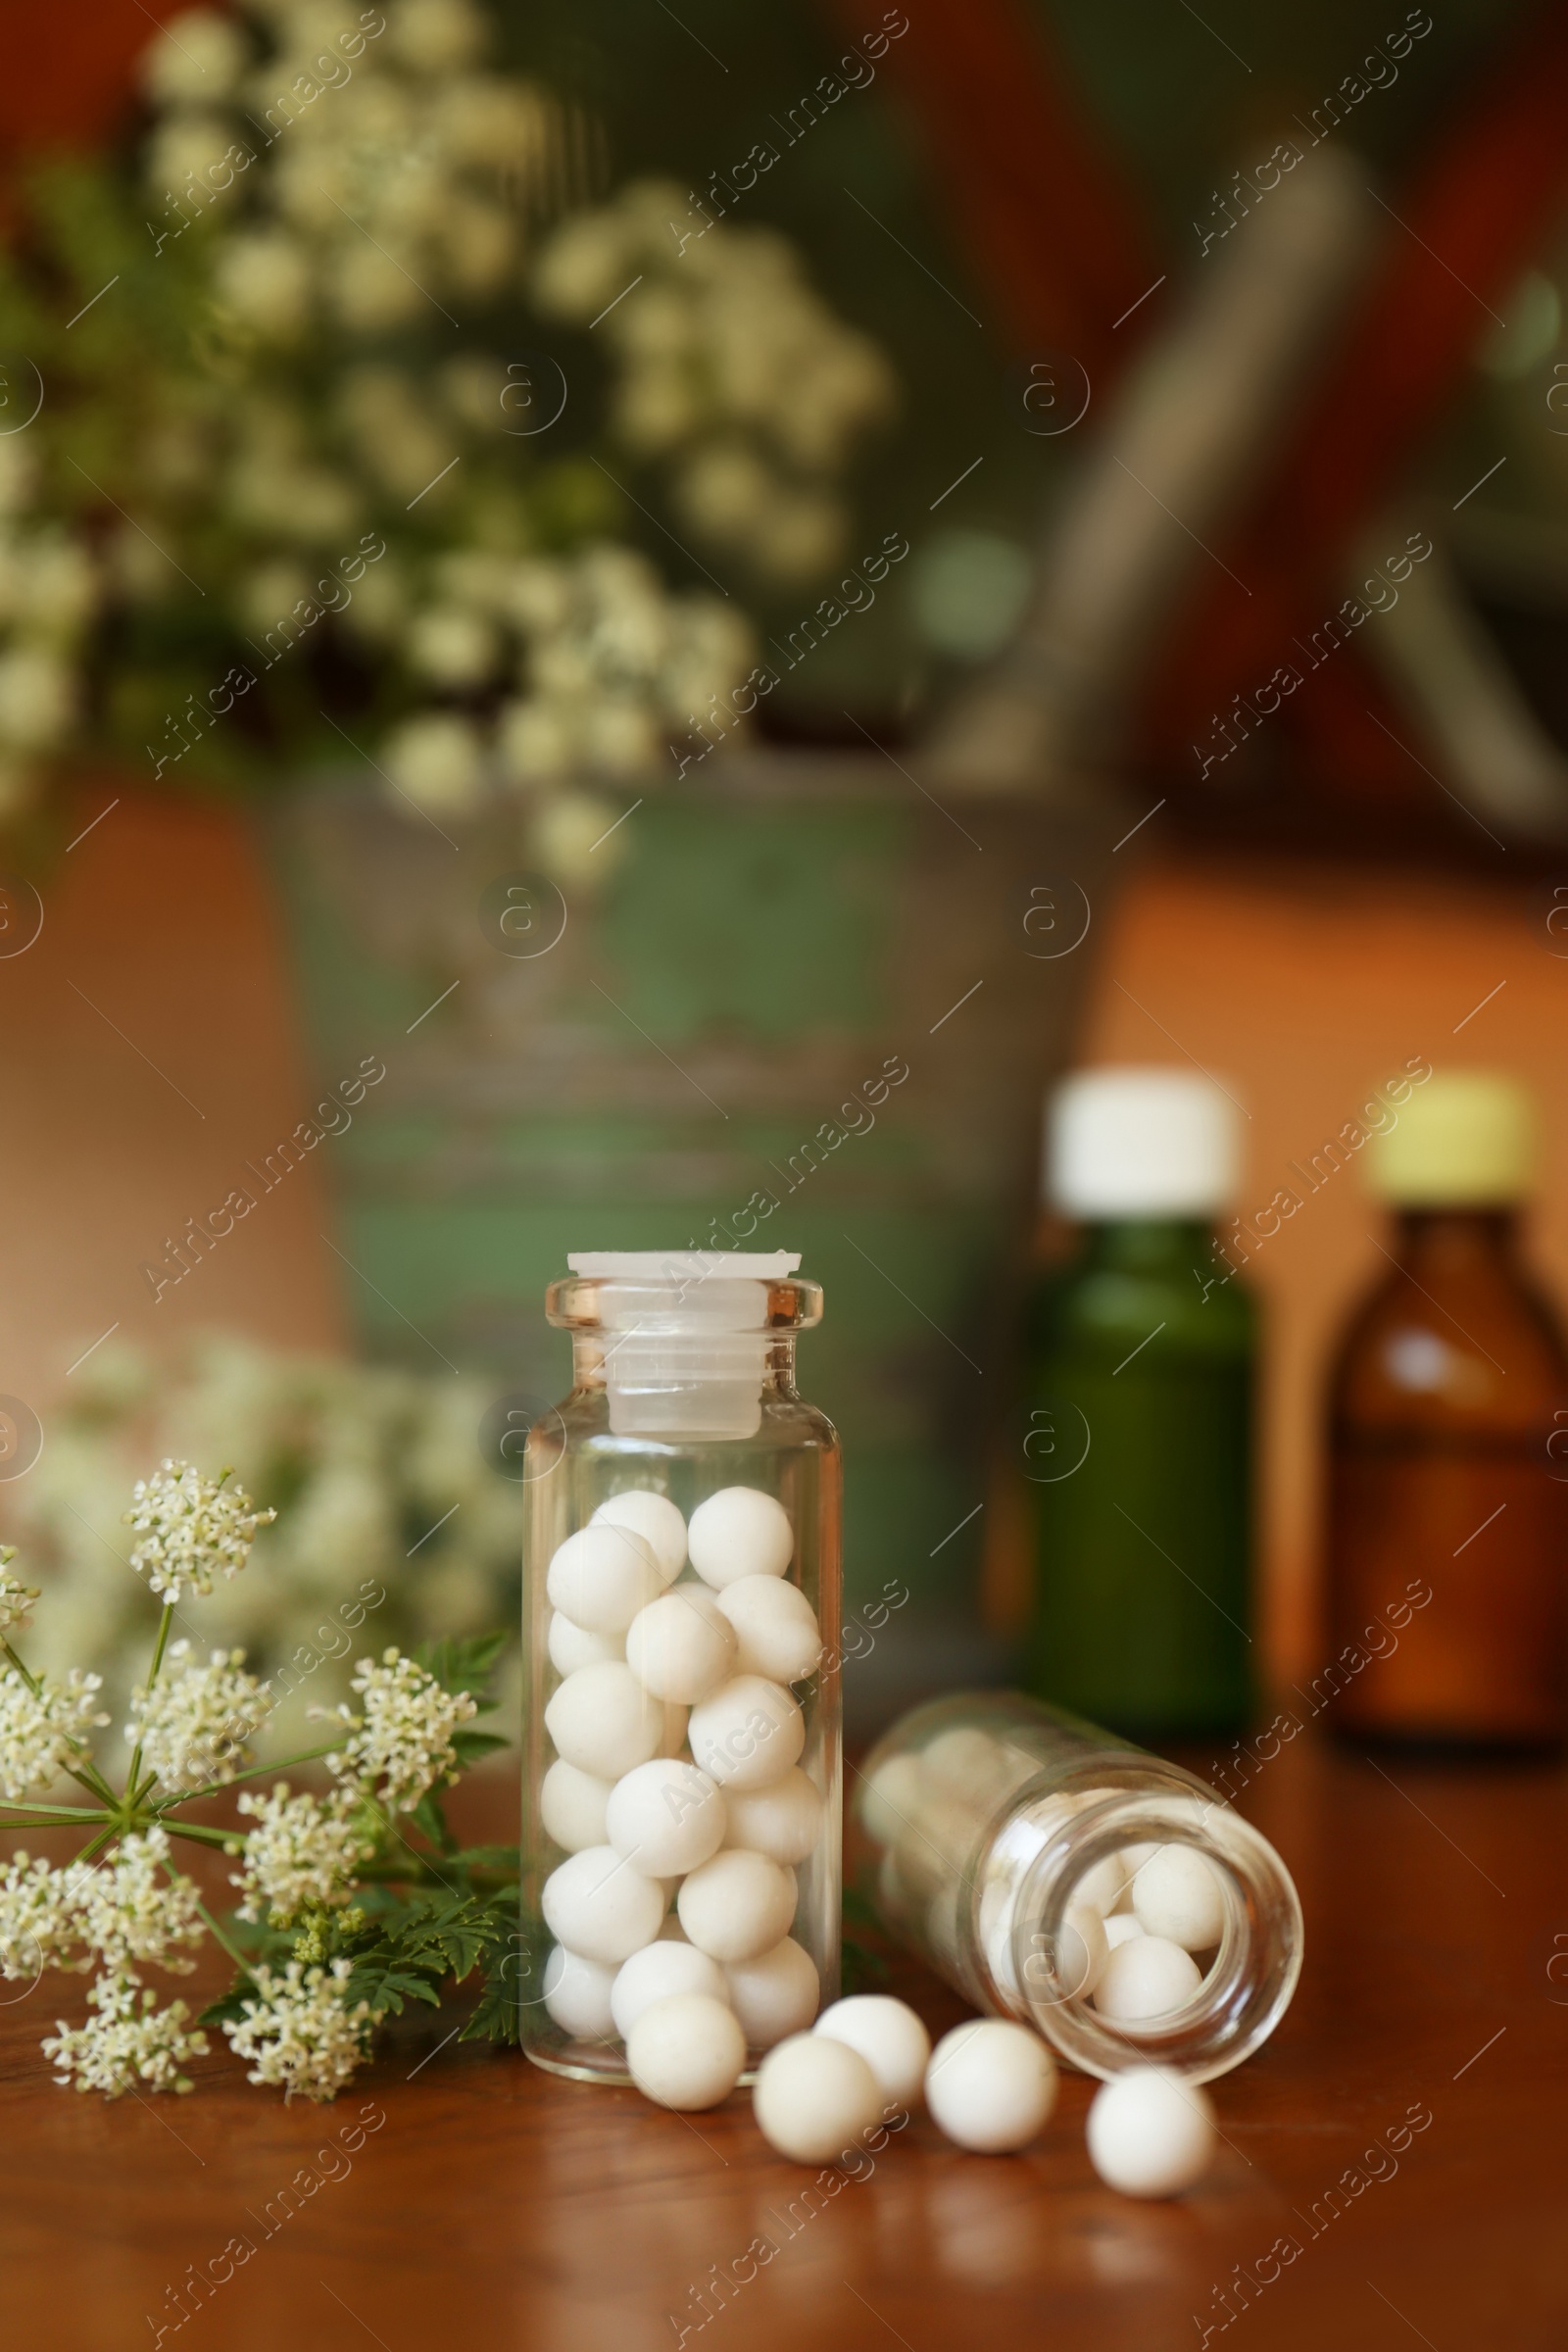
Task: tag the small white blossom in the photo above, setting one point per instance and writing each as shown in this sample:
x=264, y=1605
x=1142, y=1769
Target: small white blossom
x=190, y=1527
x=41, y=1724
x=39, y=1923
x=16, y=1598
x=300, y=1851
x=403, y=1738
x=133, y=1912
x=194, y=1725
x=129, y=2041
x=301, y=2032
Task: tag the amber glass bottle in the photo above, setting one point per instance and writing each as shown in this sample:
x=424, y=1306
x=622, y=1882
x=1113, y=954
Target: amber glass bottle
x=1449, y=1509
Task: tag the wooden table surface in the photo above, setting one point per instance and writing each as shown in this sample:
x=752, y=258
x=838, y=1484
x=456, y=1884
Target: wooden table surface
x=459, y=2197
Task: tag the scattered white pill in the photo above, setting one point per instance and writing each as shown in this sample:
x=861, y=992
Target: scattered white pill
x=602, y=1720
x=682, y=1646
x=737, y=1905
x=815, y=2098
x=602, y=1576
x=888, y=2037
x=1151, y=2133
x=572, y=1806
x=598, y=1905
x=1121, y=1927
x=890, y=1798
x=991, y=2085
x=657, y=1973
x=1178, y=1895
x=1143, y=1981
x=738, y=1532
x=775, y=1995
x=783, y=1821
x=686, y=2050
x=665, y=1816
x=775, y=1626
x=577, y=1995
x=573, y=1645
x=656, y=1519
x=748, y=1733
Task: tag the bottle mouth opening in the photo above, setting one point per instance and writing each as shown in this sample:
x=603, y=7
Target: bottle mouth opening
x=681, y=1340
x=1063, y=1869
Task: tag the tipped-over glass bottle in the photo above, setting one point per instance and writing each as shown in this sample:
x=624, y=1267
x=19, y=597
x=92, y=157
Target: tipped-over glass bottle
x=1053, y=1874
x=1447, y=1583
x=1137, y=1450
x=680, y=1580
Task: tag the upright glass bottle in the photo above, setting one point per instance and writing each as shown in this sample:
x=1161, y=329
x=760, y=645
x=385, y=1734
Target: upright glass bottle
x=1448, y=1569
x=1137, y=1446
x=693, y=1703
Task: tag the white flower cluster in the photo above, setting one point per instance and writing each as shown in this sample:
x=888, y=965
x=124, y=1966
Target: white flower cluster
x=194, y=1725
x=49, y=594
x=133, y=1912
x=599, y=663
x=300, y=2030
x=39, y=1923
x=302, y=1852
x=400, y=1742
x=129, y=2041
x=190, y=1527
x=16, y=1598
x=730, y=365
x=41, y=1724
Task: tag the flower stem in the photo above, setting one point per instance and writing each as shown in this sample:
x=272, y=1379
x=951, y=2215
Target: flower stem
x=257, y=1772
x=164, y=1623
x=232, y=1949
x=94, y=1845
x=200, y=1834
x=56, y=1812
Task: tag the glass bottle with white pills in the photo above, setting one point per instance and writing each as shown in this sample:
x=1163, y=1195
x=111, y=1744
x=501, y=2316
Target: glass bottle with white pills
x=1056, y=1875
x=681, y=1582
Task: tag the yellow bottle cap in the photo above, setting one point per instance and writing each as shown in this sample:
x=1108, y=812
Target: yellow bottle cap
x=1465, y=1139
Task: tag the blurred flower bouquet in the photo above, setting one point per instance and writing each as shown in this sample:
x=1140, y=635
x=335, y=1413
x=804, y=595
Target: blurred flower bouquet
x=288, y=475
x=343, y=1918
x=394, y=1526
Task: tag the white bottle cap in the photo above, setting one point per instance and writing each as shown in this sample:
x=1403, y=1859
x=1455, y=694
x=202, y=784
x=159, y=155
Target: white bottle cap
x=1141, y=1143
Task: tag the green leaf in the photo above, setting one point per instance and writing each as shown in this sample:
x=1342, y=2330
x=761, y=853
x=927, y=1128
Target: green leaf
x=431, y=1823
x=469, y=1746
x=497, y=2016
x=465, y=1662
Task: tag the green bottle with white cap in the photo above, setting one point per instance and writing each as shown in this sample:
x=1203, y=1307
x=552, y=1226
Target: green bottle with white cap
x=1138, y=1444
x=1448, y=1524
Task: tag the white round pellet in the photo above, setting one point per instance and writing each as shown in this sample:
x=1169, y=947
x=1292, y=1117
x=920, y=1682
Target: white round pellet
x=1104, y=1884
x=738, y=1532
x=748, y=1733
x=1121, y=1927
x=573, y=1645
x=602, y=1720
x=656, y=1519
x=1082, y=1952
x=577, y=1995
x=890, y=1800
x=737, y=1905
x=783, y=1821
x=991, y=2085
x=682, y=1646
x=1134, y=1857
x=602, y=1576
x=657, y=1973
x=572, y=1806
x=775, y=1995
x=775, y=1626
x=1178, y=1895
x=1151, y=2133
x=814, y=2098
x=598, y=1905
x=888, y=2037
x=665, y=1816
x=1143, y=1981
x=686, y=2050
